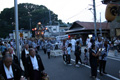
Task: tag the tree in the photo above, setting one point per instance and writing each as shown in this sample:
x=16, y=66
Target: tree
x=26, y=11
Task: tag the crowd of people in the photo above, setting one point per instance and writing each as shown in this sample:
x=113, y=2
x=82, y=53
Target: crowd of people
x=95, y=54
x=32, y=67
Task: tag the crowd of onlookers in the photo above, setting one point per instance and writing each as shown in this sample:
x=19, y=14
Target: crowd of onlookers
x=95, y=54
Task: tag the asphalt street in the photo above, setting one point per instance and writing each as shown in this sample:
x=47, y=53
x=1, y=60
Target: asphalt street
x=57, y=70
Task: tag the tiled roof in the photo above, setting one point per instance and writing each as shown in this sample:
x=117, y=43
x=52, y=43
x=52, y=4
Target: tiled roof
x=81, y=26
x=90, y=25
x=108, y=1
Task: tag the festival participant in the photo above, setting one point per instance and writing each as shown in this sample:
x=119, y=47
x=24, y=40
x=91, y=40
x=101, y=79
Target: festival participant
x=9, y=70
x=34, y=66
x=77, y=54
x=103, y=58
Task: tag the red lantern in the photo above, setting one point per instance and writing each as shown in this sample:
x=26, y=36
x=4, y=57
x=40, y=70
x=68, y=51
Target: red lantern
x=32, y=29
x=68, y=36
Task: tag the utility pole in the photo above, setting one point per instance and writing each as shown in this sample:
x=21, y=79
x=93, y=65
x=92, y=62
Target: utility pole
x=16, y=30
x=30, y=27
x=95, y=31
x=100, y=25
x=50, y=22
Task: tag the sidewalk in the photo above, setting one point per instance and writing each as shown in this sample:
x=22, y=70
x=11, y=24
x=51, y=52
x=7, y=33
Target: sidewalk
x=112, y=54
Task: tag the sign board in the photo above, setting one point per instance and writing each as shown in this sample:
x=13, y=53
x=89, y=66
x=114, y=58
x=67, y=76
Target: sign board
x=21, y=34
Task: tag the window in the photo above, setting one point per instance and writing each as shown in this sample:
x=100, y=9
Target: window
x=54, y=29
x=117, y=32
x=25, y=36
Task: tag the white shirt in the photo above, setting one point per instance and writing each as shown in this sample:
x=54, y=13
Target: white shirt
x=116, y=42
x=88, y=40
x=69, y=50
x=73, y=41
x=34, y=62
x=12, y=56
x=26, y=51
x=9, y=73
x=89, y=45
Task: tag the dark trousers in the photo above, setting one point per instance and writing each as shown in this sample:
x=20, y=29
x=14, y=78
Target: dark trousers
x=77, y=59
x=102, y=65
x=93, y=69
x=48, y=54
x=36, y=75
x=44, y=51
x=38, y=47
x=68, y=59
x=65, y=57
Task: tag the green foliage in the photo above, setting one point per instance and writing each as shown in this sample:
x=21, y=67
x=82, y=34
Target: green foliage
x=26, y=11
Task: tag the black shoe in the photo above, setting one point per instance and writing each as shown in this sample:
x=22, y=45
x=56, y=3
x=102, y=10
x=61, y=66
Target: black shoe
x=104, y=72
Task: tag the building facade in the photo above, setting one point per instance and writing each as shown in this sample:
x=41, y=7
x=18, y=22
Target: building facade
x=24, y=34
x=55, y=30
x=84, y=29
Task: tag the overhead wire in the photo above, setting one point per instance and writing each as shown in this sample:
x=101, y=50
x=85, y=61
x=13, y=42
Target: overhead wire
x=77, y=14
x=81, y=12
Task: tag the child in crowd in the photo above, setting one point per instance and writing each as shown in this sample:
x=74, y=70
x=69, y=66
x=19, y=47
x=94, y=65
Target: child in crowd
x=64, y=48
x=85, y=56
x=69, y=50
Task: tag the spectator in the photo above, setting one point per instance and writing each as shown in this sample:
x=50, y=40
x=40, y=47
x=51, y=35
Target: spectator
x=69, y=50
x=85, y=56
x=2, y=47
x=103, y=58
x=77, y=54
x=93, y=61
x=73, y=44
x=64, y=52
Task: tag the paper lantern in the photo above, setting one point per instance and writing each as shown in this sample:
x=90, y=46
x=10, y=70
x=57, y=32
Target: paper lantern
x=111, y=12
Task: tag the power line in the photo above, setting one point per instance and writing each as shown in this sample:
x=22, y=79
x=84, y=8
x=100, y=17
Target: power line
x=81, y=12
x=77, y=14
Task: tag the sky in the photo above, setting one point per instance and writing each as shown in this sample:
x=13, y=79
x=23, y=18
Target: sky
x=67, y=10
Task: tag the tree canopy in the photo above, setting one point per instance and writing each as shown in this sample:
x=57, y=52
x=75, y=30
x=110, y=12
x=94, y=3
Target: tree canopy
x=26, y=12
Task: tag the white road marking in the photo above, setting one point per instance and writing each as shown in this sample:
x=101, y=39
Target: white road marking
x=117, y=59
x=98, y=71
